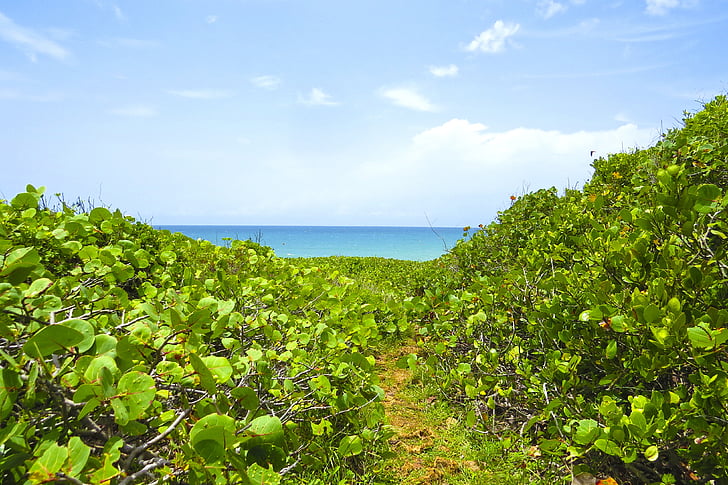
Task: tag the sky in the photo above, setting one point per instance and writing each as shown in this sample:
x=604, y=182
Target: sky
x=330, y=112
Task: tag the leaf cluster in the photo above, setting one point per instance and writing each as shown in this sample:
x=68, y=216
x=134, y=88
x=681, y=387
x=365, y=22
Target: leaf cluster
x=594, y=322
x=131, y=355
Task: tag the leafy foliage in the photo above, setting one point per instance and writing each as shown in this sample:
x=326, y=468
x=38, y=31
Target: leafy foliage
x=131, y=355
x=594, y=321
x=592, y=324
x=389, y=278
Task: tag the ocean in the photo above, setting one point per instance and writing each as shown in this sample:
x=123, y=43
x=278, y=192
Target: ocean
x=411, y=243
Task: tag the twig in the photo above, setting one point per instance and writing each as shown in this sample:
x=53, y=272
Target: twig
x=139, y=449
x=151, y=466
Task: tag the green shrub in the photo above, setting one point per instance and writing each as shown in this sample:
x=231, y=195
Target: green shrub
x=133, y=355
x=594, y=321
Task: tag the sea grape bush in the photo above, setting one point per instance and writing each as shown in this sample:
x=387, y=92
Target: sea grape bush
x=131, y=355
x=594, y=322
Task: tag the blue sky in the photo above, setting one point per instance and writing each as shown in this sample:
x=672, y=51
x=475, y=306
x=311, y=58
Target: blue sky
x=330, y=112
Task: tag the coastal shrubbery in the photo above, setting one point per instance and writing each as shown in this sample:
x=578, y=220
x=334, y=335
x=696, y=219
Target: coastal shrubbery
x=586, y=328
x=593, y=322
x=130, y=354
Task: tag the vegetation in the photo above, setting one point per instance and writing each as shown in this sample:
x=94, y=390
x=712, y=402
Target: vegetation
x=578, y=333
x=594, y=322
x=131, y=354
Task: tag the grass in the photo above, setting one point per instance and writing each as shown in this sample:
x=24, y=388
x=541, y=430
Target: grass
x=431, y=444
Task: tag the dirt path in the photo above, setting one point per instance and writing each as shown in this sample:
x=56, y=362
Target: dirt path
x=423, y=440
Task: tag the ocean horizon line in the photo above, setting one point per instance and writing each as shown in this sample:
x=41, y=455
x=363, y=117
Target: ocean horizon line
x=400, y=242
x=308, y=225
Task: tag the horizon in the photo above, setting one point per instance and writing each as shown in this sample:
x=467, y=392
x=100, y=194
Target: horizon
x=307, y=225
x=318, y=113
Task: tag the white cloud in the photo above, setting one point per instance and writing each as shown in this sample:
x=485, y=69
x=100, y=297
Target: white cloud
x=462, y=162
x=408, y=98
x=494, y=39
x=267, y=82
x=211, y=19
x=201, y=93
x=118, y=13
x=30, y=41
x=135, y=111
x=317, y=98
x=444, y=71
x=662, y=7
x=549, y=8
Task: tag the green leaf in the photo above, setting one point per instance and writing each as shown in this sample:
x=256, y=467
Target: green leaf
x=51, y=339
x=652, y=313
x=706, y=196
x=247, y=397
x=212, y=435
x=207, y=381
x=93, y=371
x=611, y=350
x=264, y=430
x=137, y=391
x=50, y=462
x=350, y=446
x=84, y=328
x=10, y=384
x=99, y=214
x=638, y=423
x=609, y=447
x=586, y=432
x=107, y=383
x=262, y=476
x=652, y=453
x=25, y=201
x=321, y=383
x=78, y=454
x=121, y=413
x=19, y=264
x=37, y=287
x=701, y=337
x=219, y=367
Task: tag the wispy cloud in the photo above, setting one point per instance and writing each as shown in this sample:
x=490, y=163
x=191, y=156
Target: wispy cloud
x=585, y=27
x=129, y=43
x=118, y=13
x=135, y=111
x=201, y=93
x=662, y=7
x=664, y=31
x=408, y=98
x=317, y=98
x=267, y=82
x=594, y=74
x=494, y=39
x=444, y=71
x=549, y=8
x=29, y=41
x=211, y=19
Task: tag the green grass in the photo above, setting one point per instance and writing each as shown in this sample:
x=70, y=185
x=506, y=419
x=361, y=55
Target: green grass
x=432, y=444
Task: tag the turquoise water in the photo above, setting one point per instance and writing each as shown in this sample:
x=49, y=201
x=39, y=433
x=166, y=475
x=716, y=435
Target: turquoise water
x=412, y=243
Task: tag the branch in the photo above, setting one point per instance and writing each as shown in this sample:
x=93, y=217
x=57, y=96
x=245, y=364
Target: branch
x=139, y=449
x=151, y=466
